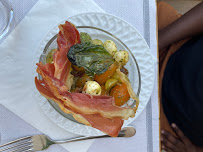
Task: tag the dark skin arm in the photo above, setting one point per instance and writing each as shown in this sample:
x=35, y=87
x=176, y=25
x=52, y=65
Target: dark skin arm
x=180, y=143
x=190, y=24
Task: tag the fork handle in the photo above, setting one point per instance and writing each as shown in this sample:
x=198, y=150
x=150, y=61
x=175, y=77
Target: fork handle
x=125, y=132
x=77, y=139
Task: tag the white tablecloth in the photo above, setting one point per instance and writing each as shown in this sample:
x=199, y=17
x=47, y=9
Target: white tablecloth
x=142, y=15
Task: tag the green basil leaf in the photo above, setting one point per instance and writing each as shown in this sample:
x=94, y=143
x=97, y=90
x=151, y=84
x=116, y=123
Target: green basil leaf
x=94, y=58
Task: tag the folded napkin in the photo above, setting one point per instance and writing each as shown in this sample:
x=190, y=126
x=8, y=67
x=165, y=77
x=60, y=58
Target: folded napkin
x=17, y=54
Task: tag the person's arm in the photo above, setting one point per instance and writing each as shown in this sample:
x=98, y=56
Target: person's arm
x=181, y=143
x=199, y=149
x=190, y=24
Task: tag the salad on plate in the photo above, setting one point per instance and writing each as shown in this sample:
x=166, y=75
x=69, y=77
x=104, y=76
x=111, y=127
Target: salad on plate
x=88, y=79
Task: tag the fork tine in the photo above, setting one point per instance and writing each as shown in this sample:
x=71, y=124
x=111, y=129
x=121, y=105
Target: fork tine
x=17, y=145
x=15, y=141
x=22, y=148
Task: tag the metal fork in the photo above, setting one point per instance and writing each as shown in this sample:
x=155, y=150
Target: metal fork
x=41, y=142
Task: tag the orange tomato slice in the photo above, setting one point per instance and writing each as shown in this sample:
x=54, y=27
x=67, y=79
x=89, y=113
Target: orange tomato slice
x=101, y=79
x=120, y=94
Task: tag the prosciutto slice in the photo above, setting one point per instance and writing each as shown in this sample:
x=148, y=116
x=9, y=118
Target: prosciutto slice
x=67, y=37
x=108, y=126
x=125, y=80
x=85, y=103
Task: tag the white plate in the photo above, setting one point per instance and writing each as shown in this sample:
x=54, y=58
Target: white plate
x=132, y=39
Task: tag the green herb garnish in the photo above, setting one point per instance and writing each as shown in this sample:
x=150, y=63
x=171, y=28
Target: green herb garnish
x=94, y=58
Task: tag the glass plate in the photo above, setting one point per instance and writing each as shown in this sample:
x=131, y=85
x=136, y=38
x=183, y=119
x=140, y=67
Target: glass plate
x=97, y=33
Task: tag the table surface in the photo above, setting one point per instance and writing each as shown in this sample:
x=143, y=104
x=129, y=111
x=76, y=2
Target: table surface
x=147, y=124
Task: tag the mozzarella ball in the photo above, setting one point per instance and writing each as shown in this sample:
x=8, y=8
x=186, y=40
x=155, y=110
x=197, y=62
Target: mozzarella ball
x=110, y=46
x=122, y=57
x=92, y=88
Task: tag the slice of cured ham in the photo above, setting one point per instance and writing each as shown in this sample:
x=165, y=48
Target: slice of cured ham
x=85, y=103
x=125, y=80
x=108, y=126
x=68, y=36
